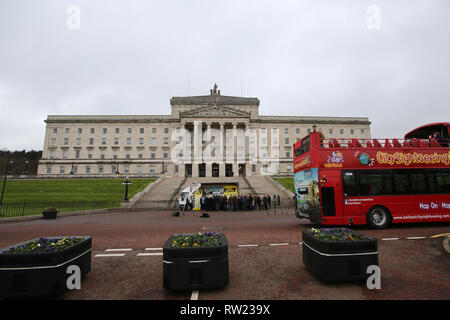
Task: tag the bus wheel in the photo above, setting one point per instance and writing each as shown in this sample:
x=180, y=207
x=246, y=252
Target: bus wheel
x=378, y=218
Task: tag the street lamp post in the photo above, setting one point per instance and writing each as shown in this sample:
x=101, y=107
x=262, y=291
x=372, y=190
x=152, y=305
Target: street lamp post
x=8, y=167
x=126, y=183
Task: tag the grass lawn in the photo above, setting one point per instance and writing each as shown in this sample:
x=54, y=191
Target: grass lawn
x=288, y=183
x=31, y=196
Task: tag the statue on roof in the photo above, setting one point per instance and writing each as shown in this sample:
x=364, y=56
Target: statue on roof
x=214, y=90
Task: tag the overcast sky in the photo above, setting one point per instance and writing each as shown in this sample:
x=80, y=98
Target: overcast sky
x=385, y=60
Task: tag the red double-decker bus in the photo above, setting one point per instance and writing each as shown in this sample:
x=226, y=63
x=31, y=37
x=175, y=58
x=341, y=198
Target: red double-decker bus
x=374, y=181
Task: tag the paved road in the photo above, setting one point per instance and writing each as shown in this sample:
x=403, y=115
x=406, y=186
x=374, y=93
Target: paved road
x=413, y=265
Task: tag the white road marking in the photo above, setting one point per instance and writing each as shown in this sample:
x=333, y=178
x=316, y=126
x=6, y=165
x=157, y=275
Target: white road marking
x=279, y=244
x=150, y=254
x=248, y=245
x=110, y=255
x=153, y=249
x=415, y=238
x=124, y=249
x=194, y=295
x=390, y=239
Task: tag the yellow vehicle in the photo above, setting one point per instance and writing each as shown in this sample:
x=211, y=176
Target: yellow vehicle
x=230, y=190
x=197, y=199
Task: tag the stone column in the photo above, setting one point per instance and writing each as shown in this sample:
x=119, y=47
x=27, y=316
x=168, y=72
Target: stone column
x=234, y=151
x=208, y=148
x=221, y=149
x=197, y=142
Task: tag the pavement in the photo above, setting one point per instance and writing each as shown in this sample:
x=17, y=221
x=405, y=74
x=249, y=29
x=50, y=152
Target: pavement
x=265, y=256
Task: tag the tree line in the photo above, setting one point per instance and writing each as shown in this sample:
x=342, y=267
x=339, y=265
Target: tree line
x=19, y=159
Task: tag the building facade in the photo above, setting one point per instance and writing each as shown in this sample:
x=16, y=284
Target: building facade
x=211, y=135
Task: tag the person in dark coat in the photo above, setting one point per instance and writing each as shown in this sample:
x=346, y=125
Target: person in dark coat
x=269, y=201
x=278, y=200
x=258, y=202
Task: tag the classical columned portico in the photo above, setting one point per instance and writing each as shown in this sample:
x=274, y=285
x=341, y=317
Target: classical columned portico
x=214, y=142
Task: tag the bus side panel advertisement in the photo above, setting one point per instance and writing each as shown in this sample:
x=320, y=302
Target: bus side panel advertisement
x=306, y=186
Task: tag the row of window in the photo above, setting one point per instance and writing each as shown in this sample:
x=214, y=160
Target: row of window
x=166, y=130
x=102, y=170
x=103, y=156
x=116, y=130
x=116, y=141
x=394, y=182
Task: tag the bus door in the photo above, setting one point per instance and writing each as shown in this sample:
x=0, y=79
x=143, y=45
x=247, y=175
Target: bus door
x=328, y=202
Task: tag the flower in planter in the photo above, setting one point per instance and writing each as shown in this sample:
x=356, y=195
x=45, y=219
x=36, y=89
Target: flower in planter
x=44, y=245
x=50, y=209
x=207, y=239
x=336, y=234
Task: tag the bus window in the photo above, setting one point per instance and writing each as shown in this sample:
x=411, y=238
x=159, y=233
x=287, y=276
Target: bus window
x=371, y=183
x=349, y=184
x=303, y=148
x=401, y=182
x=418, y=182
x=443, y=181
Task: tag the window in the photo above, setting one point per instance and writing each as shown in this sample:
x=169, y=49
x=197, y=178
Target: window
x=140, y=156
x=78, y=141
x=115, y=155
x=166, y=154
x=128, y=141
x=127, y=155
x=253, y=168
x=100, y=169
x=67, y=130
x=166, y=140
x=75, y=169
x=141, y=140
x=176, y=168
x=286, y=130
x=289, y=167
x=88, y=169
x=92, y=130
x=341, y=131
x=152, y=169
x=103, y=141
x=330, y=131
x=80, y=130
x=51, y=154
x=55, y=130
x=303, y=148
x=61, y=169
x=49, y=169
x=113, y=169
x=66, y=141
x=154, y=142
x=117, y=130
x=89, y=155
x=418, y=182
x=116, y=140
x=53, y=142
x=102, y=155
x=438, y=180
x=401, y=182
x=362, y=131
x=77, y=154
x=91, y=141
x=308, y=130
x=375, y=182
x=352, y=131
x=153, y=130
x=152, y=154
x=126, y=169
x=139, y=169
x=64, y=154
x=105, y=130
x=288, y=154
x=349, y=183
x=297, y=130
x=286, y=140
x=166, y=130
x=141, y=130
x=129, y=130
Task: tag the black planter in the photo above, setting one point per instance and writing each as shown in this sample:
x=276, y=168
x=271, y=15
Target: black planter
x=49, y=214
x=334, y=261
x=195, y=268
x=24, y=275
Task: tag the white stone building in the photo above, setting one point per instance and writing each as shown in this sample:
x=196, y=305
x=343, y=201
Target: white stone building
x=211, y=135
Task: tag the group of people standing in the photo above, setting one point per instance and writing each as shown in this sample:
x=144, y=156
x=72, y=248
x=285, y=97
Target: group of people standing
x=240, y=202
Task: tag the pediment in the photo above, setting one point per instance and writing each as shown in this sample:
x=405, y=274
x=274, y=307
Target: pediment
x=215, y=111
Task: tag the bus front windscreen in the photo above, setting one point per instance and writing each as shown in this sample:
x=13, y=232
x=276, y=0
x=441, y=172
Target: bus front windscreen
x=306, y=185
